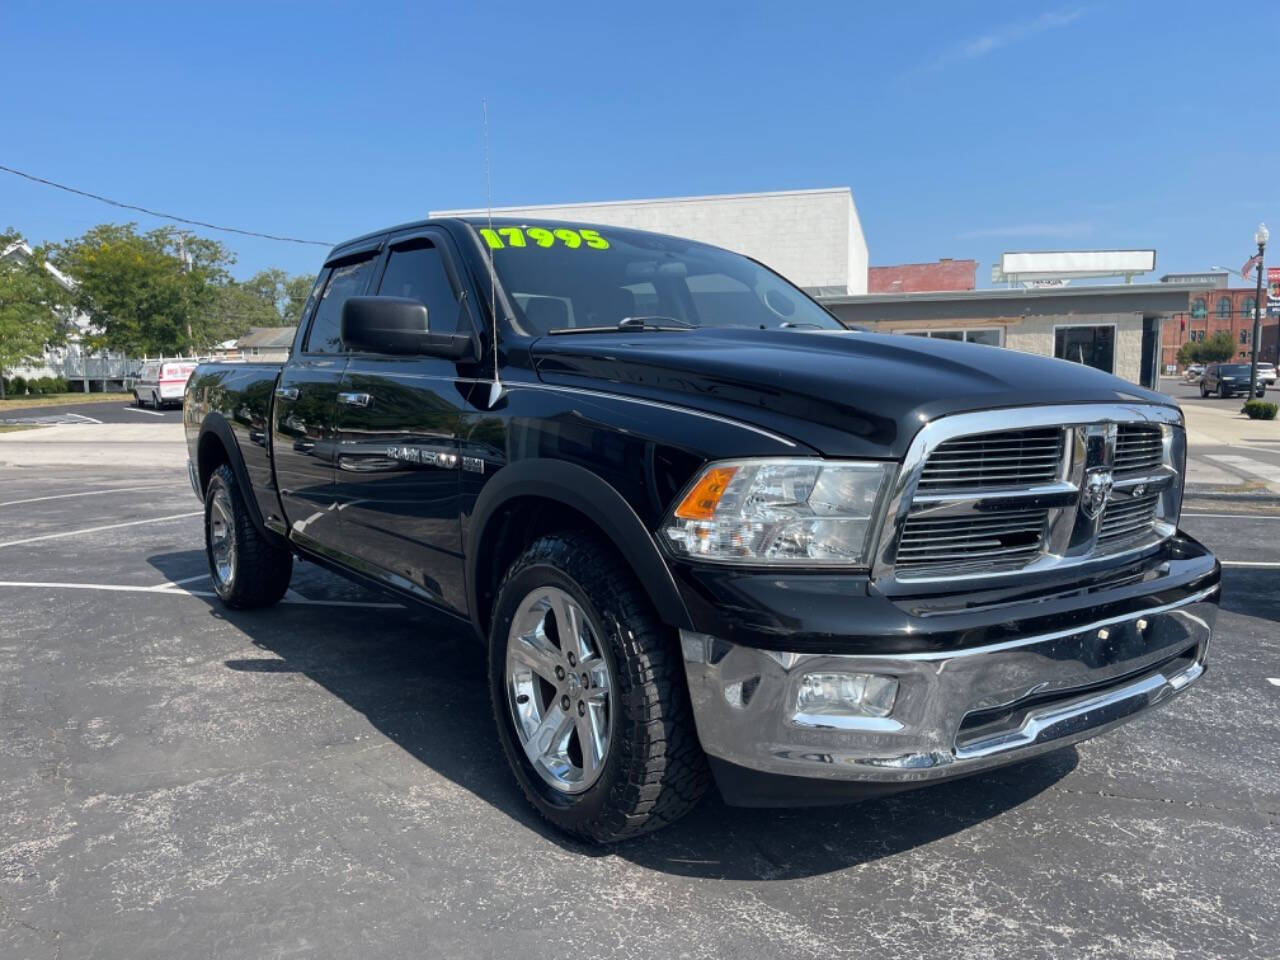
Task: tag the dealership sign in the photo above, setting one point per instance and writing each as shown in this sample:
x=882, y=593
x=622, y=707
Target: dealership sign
x=1273, y=291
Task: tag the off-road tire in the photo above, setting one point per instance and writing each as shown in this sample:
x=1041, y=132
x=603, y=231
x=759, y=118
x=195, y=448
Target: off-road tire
x=655, y=771
x=262, y=569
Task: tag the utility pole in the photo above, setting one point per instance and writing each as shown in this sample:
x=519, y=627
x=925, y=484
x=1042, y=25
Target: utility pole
x=1260, y=238
x=186, y=268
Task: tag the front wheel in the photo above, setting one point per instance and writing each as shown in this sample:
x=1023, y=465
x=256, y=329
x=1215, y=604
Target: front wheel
x=1223, y=392
x=589, y=694
x=1204, y=391
x=248, y=571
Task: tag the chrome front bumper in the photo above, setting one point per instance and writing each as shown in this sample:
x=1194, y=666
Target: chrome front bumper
x=957, y=711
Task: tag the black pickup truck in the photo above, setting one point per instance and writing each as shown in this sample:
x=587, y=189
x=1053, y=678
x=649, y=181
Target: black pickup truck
x=703, y=529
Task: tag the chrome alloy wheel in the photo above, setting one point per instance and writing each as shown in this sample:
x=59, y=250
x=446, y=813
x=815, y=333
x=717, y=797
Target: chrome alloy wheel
x=558, y=690
x=222, y=537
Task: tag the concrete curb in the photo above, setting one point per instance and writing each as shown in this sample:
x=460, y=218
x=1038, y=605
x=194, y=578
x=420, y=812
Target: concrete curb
x=1208, y=493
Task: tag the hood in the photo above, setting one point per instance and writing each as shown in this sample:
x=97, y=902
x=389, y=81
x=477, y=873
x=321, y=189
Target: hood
x=844, y=393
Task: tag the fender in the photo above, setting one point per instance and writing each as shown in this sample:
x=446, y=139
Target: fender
x=584, y=491
x=216, y=424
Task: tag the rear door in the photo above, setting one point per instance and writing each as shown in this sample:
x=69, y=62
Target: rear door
x=304, y=429
x=397, y=464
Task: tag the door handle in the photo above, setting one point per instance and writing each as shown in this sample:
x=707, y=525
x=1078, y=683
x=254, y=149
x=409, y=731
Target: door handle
x=355, y=399
x=287, y=393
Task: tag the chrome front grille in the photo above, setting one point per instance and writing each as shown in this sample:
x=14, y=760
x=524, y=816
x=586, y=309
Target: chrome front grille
x=1139, y=446
x=1001, y=537
x=1011, y=458
x=1034, y=488
x=1126, y=519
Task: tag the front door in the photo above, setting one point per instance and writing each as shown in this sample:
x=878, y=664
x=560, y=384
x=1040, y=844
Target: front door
x=397, y=464
x=304, y=438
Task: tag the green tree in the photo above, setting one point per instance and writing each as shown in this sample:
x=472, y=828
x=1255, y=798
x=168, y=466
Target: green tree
x=296, y=290
x=158, y=292
x=1217, y=348
x=285, y=294
x=31, y=301
x=236, y=308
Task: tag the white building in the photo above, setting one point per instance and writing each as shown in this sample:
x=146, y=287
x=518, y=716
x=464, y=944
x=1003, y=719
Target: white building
x=812, y=237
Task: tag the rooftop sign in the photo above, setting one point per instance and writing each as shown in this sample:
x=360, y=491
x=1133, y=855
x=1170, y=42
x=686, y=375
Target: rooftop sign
x=1073, y=264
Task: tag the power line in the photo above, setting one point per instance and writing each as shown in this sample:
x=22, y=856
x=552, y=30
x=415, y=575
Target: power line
x=156, y=213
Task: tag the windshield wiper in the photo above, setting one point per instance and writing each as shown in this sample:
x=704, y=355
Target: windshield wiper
x=632, y=325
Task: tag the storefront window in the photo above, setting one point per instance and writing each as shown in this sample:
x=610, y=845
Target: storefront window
x=991, y=337
x=1092, y=346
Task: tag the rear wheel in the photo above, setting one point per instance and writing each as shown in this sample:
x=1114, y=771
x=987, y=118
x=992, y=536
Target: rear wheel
x=589, y=694
x=248, y=571
x=1204, y=391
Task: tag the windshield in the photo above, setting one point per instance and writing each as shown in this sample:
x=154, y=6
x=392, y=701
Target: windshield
x=1233, y=370
x=563, y=277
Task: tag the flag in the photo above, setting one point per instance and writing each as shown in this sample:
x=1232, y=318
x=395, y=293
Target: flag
x=1248, y=267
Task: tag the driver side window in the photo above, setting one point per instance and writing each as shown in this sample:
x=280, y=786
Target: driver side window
x=416, y=271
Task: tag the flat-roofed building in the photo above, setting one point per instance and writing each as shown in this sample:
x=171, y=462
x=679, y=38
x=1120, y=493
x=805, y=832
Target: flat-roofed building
x=812, y=237
x=1116, y=327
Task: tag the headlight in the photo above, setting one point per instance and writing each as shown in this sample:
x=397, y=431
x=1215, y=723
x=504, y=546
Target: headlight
x=802, y=512
x=1175, y=456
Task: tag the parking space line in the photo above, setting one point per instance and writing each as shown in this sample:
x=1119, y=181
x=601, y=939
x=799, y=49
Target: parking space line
x=83, y=419
x=177, y=583
x=166, y=590
x=153, y=413
x=109, y=526
x=108, y=587
x=1238, y=563
x=85, y=493
x=1274, y=681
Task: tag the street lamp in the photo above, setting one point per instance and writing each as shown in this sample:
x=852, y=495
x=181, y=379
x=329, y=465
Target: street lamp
x=1260, y=237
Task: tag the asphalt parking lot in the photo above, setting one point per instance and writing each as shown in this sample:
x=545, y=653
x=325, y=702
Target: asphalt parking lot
x=125, y=411
x=322, y=780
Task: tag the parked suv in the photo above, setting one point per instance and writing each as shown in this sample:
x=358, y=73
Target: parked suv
x=1226, y=379
x=701, y=528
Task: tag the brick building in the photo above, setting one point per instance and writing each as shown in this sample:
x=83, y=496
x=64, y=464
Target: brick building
x=1211, y=309
x=946, y=274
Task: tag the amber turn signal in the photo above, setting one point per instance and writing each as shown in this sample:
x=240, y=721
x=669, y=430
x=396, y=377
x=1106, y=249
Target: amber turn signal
x=700, y=502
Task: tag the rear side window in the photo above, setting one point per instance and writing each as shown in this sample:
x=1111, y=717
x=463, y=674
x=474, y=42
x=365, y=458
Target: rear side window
x=347, y=280
x=416, y=271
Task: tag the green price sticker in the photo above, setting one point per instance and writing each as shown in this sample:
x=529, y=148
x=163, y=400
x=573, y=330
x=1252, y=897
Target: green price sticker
x=541, y=237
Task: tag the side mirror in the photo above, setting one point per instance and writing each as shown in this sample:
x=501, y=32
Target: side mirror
x=398, y=326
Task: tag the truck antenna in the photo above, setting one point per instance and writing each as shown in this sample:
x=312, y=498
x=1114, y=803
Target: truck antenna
x=496, y=390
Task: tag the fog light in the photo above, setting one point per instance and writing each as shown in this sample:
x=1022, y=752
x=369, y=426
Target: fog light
x=846, y=695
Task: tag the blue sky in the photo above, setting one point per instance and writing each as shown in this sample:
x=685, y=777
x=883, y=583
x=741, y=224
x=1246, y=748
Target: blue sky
x=964, y=129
